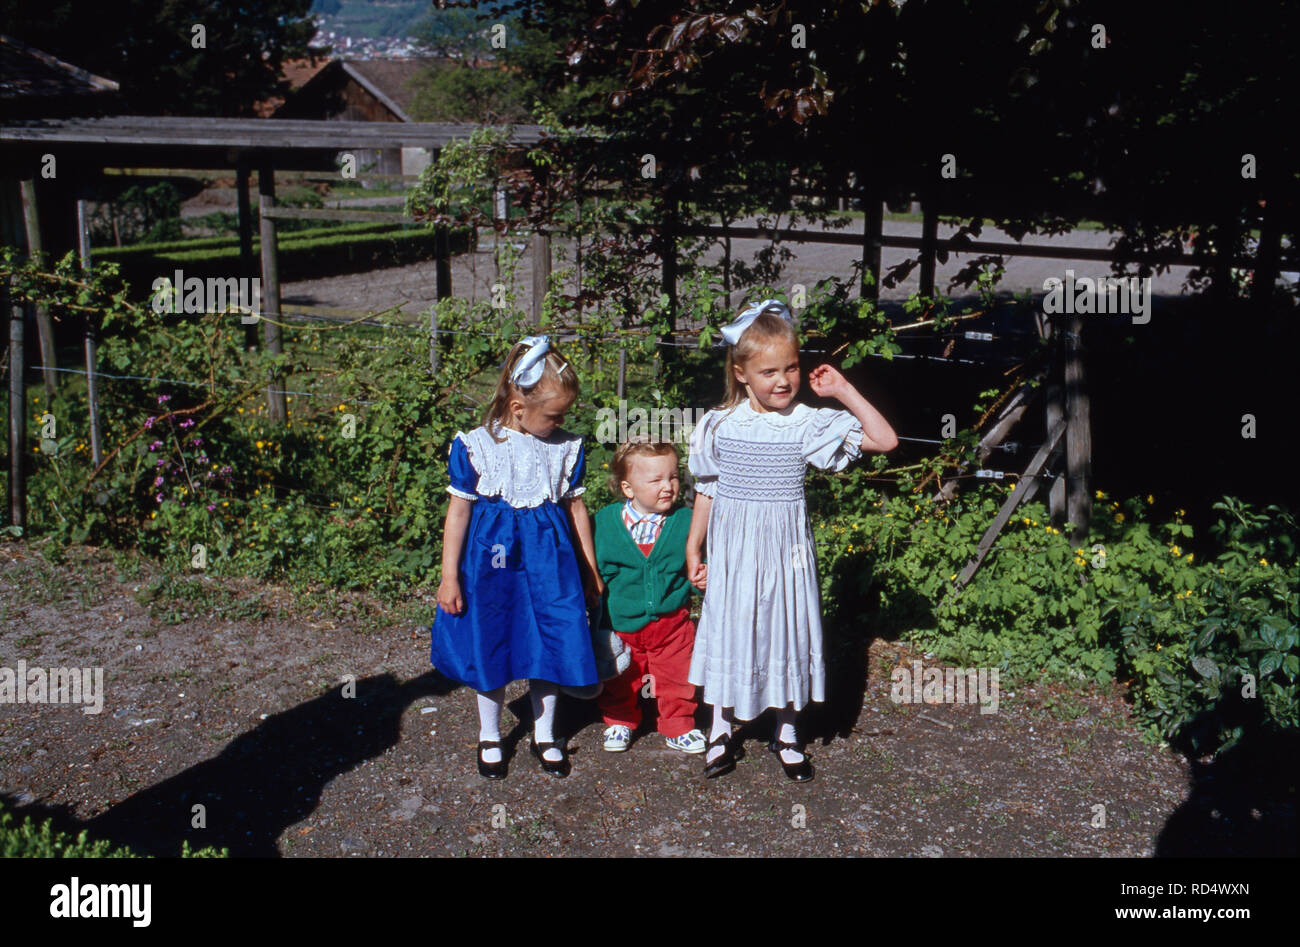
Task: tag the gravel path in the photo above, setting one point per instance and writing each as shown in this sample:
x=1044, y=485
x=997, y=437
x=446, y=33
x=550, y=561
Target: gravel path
x=227, y=694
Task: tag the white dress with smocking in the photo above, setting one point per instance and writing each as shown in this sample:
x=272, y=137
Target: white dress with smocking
x=758, y=643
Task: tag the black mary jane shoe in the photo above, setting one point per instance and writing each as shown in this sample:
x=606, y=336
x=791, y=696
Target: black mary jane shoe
x=495, y=770
x=724, y=763
x=800, y=772
x=557, y=768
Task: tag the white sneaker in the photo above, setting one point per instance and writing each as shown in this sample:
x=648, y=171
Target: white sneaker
x=691, y=742
x=617, y=738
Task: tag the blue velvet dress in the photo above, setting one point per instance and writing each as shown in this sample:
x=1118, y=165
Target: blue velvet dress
x=524, y=613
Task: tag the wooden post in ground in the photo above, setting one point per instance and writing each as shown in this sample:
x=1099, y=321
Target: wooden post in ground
x=44, y=327
x=433, y=338
x=1078, y=437
x=276, y=407
x=872, y=224
x=247, y=265
x=668, y=254
x=1054, y=413
x=17, y=417
x=92, y=334
x=442, y=261
x=541, y=270
x=929, y=240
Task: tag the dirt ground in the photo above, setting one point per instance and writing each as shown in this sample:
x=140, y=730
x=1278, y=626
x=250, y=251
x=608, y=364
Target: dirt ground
x=230, y=695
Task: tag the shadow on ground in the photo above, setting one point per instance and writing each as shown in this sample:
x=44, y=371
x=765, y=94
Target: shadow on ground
x=263, y=781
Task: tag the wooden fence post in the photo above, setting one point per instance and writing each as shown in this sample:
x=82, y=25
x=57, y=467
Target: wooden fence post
x=1078, y=439
x=276, y=409
x=541, y=270
x=1055, y=411
x=92, y=333
x=44, y=328
x=872, y=225
x=442, y=261
x=17, y=417
x=246, y=265
x=929, y=239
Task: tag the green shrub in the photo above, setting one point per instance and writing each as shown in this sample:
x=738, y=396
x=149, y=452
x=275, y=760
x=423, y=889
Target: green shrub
x=30, y=839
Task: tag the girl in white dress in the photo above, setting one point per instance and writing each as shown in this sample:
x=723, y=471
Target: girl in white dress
x=758, y=643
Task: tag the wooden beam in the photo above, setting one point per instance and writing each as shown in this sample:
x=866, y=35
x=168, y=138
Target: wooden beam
x=335, y=213
x=1008, y=419
x=44, y=327
x=1078, y=441
x=277, y=410
x=17, y=417
x=247, y=266
x=541, y=270
x=92, y=336
x=1025, y=489
x=929, y=239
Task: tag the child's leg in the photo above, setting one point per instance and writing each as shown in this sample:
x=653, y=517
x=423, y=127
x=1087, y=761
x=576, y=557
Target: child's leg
x=785, y=733
x=489, y=721
x=543, y=695
x=618, y=703
x=721, y=725
x=669, y=661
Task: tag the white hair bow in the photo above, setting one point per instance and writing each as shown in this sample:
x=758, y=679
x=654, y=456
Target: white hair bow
x=733, y=332
x=533, y=363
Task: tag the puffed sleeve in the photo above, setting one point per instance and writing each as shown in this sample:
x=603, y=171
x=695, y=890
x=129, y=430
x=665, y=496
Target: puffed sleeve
x=832, y=439
x=464, y=478
x=700, y=461
x=575, y=467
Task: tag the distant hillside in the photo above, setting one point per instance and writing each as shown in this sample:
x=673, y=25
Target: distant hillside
x=376, y=19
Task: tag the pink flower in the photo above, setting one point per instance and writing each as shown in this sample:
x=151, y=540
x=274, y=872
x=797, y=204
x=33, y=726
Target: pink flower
x=155, y=445
x=187, y=423
x=159, y=498
x=148, y=424
x=163, y=399
x=211, y=507
x=158, y=481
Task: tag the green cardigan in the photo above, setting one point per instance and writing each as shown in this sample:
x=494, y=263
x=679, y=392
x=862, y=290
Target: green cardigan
x=641, y=588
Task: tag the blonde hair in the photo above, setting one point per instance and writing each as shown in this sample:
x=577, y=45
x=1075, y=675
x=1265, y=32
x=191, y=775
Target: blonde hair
x=758, y=335
x=558, y=377
x=621, y=465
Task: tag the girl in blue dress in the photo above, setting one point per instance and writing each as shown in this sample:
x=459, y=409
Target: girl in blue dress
x=514, y=591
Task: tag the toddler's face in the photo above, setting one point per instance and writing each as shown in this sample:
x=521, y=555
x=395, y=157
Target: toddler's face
x=772, y=376
x=652, y=482
x=541, y=417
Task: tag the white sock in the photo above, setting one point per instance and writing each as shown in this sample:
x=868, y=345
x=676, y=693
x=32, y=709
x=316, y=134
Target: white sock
x=785, y=733
x=543, y=694
x=721, y=725
x=489, y=721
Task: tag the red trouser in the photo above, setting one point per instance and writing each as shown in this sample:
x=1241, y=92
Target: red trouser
x=662, y=650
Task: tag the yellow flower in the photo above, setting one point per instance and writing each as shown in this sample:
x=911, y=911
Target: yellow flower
x=1119, y=517
x=1263, y=562
x=259, y=445
x=951, y=577
x=339, y=408
x=1100, y=494
x=1189, y=557
x=1182, y=512
x=1157, y=647
x=1150, y=499
x=1175, y=550
x=225, y=503
x=1011, y=487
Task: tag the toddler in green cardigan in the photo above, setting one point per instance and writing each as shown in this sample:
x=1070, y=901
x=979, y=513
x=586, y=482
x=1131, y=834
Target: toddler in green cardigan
x=641, y=556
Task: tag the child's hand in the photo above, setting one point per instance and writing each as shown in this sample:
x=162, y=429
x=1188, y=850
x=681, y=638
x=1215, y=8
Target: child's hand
x=827, y=382
x=697, y=572
x=449, y=598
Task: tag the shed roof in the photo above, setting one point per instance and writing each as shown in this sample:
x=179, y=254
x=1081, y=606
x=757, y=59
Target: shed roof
x=26, y=71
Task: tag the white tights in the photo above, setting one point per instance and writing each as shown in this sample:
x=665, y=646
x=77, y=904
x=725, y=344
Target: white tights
x=543, y=695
